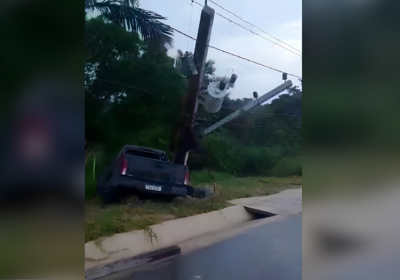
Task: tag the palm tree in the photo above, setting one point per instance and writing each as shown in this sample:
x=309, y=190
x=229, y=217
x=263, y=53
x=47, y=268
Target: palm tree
x=128, y=15
x=183, y=66
x=182, y=63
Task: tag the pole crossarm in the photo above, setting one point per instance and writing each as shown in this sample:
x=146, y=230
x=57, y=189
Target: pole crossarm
x=250, y=105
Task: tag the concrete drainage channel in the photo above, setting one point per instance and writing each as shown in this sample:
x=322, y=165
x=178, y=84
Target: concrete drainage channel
x=133, y=249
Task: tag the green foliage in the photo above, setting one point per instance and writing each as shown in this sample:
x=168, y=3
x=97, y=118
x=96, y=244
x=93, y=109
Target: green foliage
x=182, y=65
x=90, y=187
x=90, y=177
x=287, y=167
x=201, y=177
x=241, y=160
x=258, y=142
x=130, y=17
x=118, y=62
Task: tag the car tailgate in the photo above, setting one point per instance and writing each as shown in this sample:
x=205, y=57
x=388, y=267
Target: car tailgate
x=155, y=171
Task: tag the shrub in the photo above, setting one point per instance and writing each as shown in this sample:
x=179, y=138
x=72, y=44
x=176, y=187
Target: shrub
x=230, y=156
x=287, y=167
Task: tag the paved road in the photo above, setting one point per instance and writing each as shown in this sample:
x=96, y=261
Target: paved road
x=271, y=251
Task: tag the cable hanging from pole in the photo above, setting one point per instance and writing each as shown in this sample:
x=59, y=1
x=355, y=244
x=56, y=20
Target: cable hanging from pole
x=141, y=89
x=260, y=64
x=190, y=24
x=253, y=25
x=253, y=31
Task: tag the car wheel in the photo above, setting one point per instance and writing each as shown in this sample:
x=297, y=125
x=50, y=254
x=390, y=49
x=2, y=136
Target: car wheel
x=112, y=195
x=190, y=191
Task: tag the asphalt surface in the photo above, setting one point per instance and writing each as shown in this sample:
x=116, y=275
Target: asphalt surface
x=272, y=251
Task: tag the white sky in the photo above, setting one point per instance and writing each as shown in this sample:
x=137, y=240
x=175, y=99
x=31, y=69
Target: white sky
x=282, y=19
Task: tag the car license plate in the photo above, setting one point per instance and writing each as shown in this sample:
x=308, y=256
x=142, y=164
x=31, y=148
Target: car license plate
x=153, y=188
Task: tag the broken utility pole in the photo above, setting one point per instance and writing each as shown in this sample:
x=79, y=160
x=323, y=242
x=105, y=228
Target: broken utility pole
x=258, y=101
x=200, y=57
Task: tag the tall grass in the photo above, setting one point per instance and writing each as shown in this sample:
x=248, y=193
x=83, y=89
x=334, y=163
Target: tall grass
x=93, y=168
x=227, y=155
x=287, y=167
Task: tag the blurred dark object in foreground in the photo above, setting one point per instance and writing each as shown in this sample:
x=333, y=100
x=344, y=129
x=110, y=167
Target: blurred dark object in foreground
x=351, y=114
x=42, y=182
x=41, y=140
x=352, y=99
x=44, y=142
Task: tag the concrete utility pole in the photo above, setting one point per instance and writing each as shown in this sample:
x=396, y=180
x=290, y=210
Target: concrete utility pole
x=200, y=57
x=250, y=105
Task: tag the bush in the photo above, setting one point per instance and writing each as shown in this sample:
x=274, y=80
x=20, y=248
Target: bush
x=228, y=155
x=287, y=167
x=93, y=160
x=225, y=154
x=202, y=177
x=90, y=187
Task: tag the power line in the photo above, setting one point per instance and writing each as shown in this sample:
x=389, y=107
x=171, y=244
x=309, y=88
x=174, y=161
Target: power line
x=251, y=31
x=253, y=25
x=233, y=109
x=141, y=89
x=190, y=24
x=238, y=55
x=123, y=85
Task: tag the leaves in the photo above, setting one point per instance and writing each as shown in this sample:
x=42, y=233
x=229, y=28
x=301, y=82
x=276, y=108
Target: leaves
x=130, y=17
x=116, y=109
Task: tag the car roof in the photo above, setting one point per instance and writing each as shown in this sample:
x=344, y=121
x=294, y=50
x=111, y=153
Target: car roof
x=139, y=148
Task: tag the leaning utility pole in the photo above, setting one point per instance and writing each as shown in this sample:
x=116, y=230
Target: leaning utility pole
x=200, y=57
x=250, y=105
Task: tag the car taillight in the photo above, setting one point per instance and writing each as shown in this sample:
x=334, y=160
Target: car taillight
x=187, y=177
x=124, y=166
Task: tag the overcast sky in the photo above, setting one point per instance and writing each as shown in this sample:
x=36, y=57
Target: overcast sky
x=282, y=19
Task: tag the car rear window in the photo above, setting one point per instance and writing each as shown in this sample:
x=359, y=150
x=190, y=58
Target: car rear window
x=144, y=154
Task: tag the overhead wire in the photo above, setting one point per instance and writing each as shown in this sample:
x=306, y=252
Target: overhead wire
x=253, y=25
x=251, y=31
x=141, y=89
x=232, y=109
x=260, y=64
x=190, y=24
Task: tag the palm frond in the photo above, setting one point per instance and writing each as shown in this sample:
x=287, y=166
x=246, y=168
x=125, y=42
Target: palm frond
x=180, y=54
x=126, y=14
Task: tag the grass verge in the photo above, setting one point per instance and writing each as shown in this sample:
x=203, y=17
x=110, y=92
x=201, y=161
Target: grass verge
x=133, y=214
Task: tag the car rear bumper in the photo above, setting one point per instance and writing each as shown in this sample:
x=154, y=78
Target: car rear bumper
x=167, y=190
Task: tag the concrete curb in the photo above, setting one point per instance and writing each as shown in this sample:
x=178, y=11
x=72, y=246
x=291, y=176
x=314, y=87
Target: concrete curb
x=146, y=258
x=126, y=245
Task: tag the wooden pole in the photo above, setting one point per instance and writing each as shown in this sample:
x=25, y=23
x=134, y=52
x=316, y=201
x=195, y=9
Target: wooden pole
x=200, y=58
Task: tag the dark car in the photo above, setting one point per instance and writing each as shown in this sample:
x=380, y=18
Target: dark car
x=146, y=170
